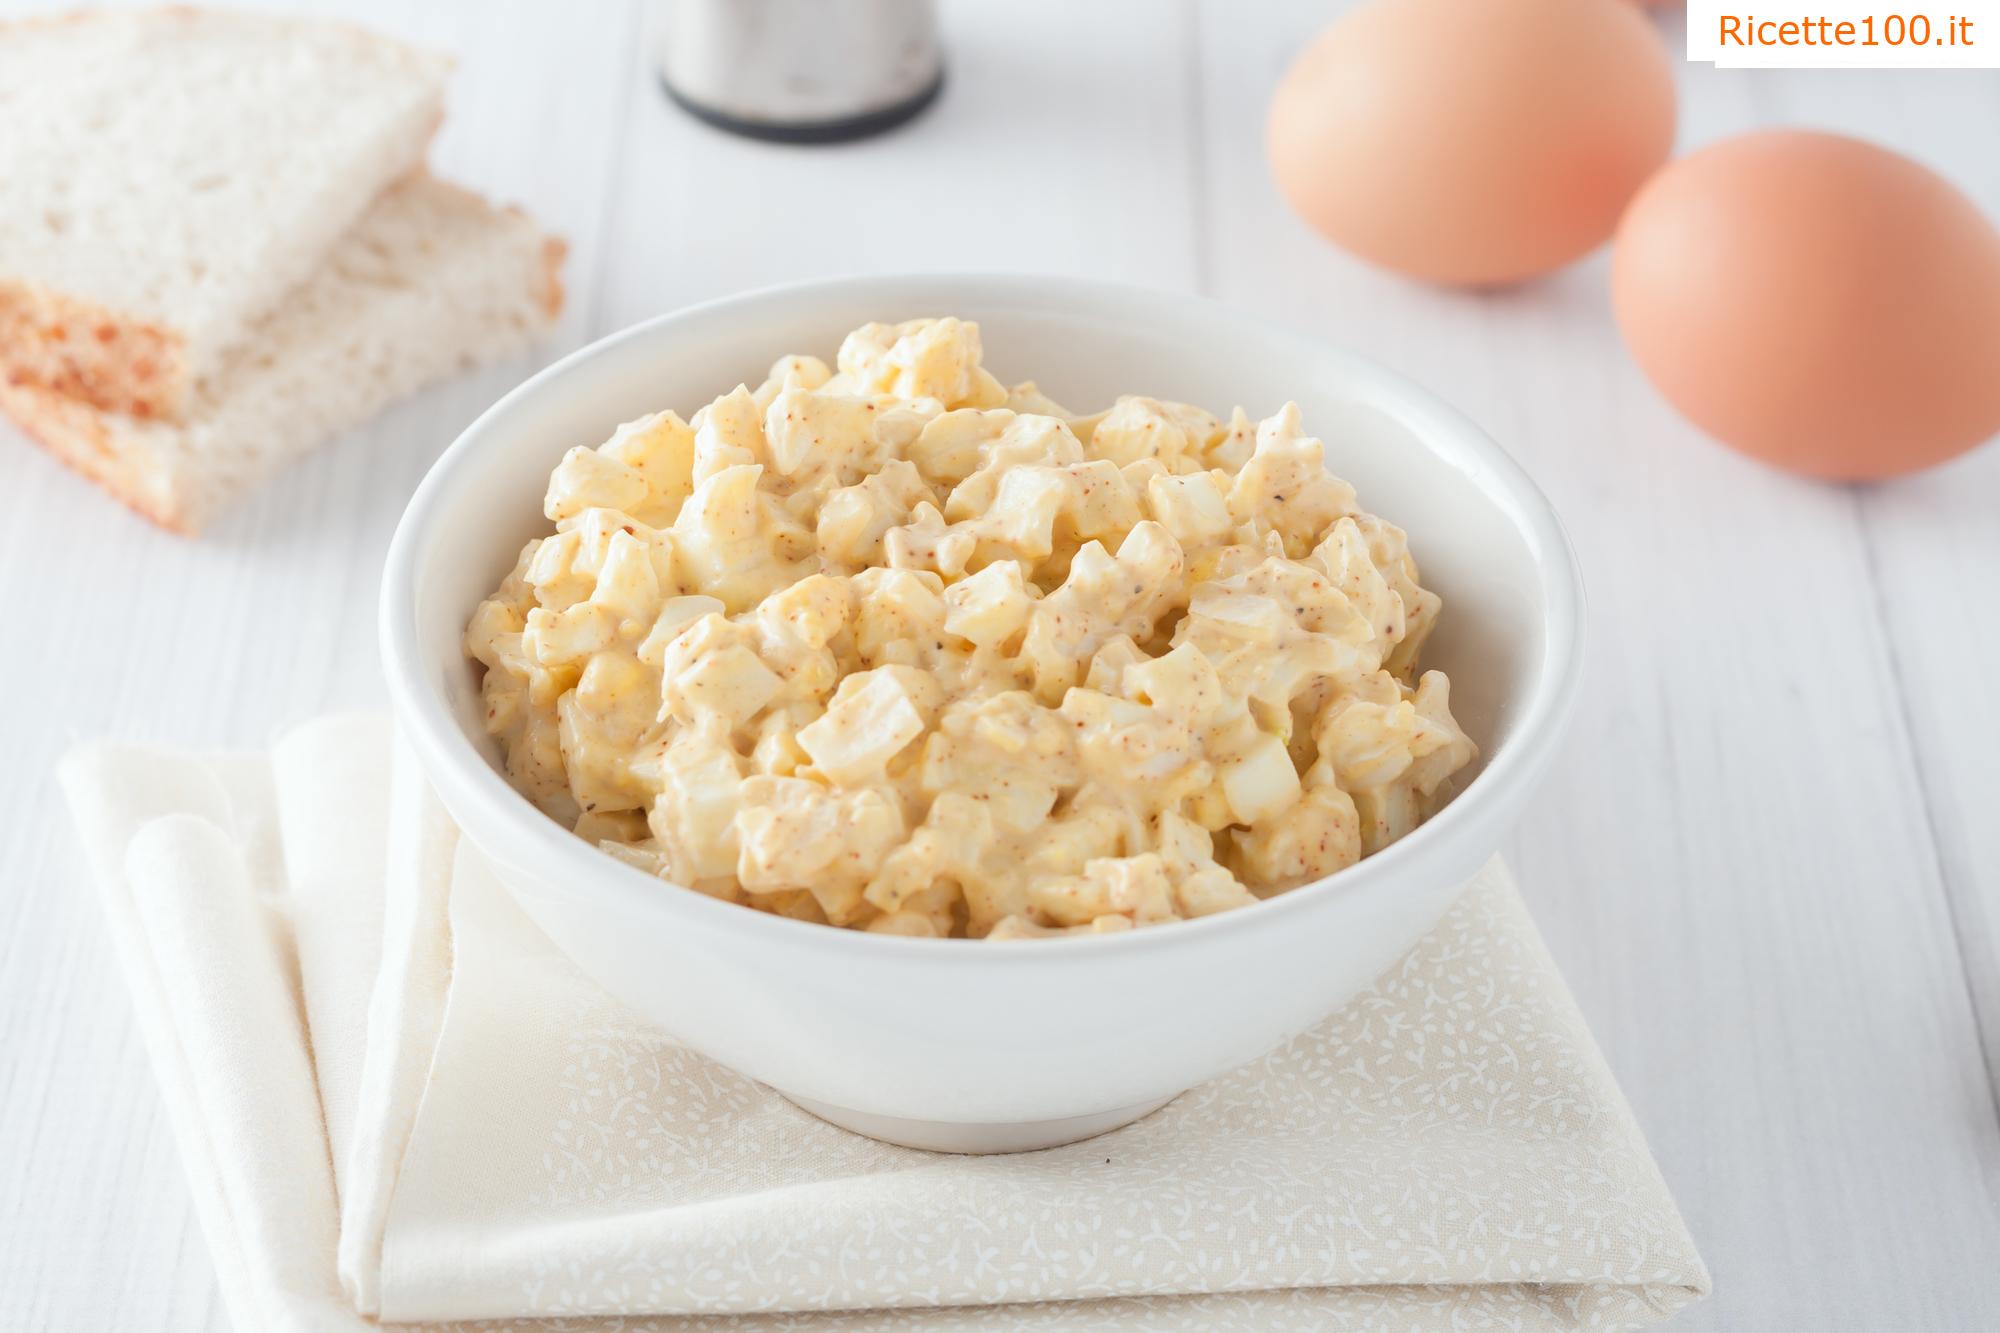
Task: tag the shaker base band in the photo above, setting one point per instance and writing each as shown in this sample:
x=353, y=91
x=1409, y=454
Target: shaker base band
x=840, y=130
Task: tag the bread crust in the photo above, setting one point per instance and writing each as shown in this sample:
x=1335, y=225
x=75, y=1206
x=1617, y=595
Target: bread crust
x=76, y=434
x=554, y=251
x=92, y=354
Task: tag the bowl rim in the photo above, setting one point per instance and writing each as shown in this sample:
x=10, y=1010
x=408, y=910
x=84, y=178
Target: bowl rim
x=497, y=816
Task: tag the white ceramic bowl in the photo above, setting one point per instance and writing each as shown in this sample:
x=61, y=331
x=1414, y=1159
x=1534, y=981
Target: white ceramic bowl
x=964, y=1045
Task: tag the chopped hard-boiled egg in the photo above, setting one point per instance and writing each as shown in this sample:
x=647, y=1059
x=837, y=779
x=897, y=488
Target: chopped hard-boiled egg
x=890, y=646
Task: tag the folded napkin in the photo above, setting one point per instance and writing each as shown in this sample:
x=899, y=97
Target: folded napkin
x=397, y=1100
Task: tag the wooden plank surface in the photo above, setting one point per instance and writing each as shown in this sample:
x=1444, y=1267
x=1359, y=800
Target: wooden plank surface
x=1766, y=860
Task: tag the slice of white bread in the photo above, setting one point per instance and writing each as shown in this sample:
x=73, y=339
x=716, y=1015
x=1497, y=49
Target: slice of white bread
x=170, y=174
x=432, y=279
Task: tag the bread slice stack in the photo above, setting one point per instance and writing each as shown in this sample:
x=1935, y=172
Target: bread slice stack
x=219, y=246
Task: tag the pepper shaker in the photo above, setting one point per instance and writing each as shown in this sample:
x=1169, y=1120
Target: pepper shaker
x=801, y=71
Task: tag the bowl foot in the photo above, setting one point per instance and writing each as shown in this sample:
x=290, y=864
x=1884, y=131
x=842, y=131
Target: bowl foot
x=947, y=1136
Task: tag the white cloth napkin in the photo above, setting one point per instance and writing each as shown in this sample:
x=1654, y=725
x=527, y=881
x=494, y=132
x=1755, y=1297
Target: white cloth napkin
x=396, y=1099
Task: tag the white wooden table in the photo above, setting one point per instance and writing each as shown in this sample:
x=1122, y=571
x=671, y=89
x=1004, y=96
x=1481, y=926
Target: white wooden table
x=1769, y=862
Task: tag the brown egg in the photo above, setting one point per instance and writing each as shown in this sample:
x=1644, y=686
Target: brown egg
x=1473, y=141
x=1816, y=302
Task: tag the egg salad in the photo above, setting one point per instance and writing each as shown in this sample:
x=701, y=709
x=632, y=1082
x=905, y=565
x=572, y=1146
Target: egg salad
x=888, y=645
